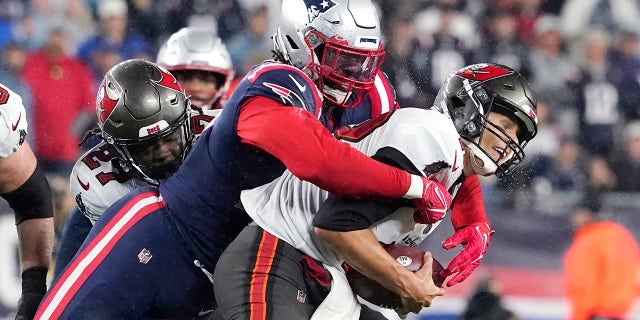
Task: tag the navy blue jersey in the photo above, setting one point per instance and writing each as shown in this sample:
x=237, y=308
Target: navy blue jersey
x=380, y=99
x=203, y=199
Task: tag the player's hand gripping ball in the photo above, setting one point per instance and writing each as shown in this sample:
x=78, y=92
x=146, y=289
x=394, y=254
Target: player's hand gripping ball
x=370, y=290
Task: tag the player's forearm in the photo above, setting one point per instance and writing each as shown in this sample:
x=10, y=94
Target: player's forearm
x=36, y=242
x=361, y=250
x=468, y=205
x=311, y=153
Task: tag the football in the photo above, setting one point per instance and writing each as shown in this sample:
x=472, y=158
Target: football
x=375, y=293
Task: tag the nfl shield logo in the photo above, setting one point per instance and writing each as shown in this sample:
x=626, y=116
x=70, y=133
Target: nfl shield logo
x=144, y=256
x=302, y=297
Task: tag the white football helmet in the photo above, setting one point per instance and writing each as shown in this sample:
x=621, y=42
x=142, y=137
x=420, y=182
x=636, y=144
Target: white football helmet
x=337, y=43
x=191, y=51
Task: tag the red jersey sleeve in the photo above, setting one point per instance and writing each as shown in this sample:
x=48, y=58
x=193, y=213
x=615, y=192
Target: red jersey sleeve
x=313, y=154
x=468, y=206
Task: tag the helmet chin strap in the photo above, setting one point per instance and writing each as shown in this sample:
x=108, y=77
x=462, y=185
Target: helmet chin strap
x=480, y=162
x=338, y=95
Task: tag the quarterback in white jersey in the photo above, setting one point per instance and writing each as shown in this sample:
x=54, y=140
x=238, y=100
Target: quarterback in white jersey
x=98, y=179
x=286, y=207
x=482, y=119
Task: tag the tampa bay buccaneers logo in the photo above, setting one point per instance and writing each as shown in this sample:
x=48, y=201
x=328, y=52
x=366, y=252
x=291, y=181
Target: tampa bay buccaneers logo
x=107, y=99
x=167, y=80
x=316, y=7
x=483, y=71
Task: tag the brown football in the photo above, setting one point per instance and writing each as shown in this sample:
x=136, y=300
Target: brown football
x=372, y=291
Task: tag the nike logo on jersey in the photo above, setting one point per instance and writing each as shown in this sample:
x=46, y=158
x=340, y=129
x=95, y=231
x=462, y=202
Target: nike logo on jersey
x=15, y=126
x=302, y=88
x=204, y=312
x=84, y=186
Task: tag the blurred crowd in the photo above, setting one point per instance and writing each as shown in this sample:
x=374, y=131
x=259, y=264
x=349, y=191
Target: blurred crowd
x=582, y=57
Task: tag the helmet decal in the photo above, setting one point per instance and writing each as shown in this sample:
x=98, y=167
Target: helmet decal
x=168, y=80
x=316, y=7
x=106, y=104
x=483, y=71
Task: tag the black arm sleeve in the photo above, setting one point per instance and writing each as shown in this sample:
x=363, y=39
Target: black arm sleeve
x=347, y=213
x=32, y=200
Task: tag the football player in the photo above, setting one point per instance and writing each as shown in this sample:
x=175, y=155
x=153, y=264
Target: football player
x=270, y=123
x=25, y=187
x=201, y=64
x=483, y=117
x=339, y=46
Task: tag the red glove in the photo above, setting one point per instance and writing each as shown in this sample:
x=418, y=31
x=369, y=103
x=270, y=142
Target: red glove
x=475, y=239
x=434, y=203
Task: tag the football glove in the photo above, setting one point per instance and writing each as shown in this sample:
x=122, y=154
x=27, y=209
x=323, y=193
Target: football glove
x=434, y=203
x=475, y=239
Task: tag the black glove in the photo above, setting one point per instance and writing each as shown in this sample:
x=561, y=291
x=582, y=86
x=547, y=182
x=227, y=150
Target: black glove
x=34, y=286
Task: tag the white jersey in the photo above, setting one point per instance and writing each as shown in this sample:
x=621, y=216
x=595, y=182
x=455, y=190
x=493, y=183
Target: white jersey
x=13, y=122
x=286, y=206
x=97, y=181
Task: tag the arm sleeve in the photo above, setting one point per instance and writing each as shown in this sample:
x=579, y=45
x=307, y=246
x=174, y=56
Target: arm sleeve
x=33, y=199
x=468, y=206
x=346, y=213
x=312, y=153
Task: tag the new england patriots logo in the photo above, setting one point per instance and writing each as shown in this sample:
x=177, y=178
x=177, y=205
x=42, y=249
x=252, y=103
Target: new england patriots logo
x=288, y=97
x=316, y=7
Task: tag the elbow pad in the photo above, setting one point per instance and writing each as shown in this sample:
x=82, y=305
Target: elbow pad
x=32, y=200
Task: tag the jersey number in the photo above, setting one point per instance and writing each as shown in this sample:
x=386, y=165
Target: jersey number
x=105, y=153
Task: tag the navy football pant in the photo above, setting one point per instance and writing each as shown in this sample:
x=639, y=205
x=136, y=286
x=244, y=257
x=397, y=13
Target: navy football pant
x=75, y=231
x=131, y=266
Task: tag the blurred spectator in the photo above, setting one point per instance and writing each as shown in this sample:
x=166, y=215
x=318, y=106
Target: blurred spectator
x=442, y=32
x=400, y=39
x=601, y=266
x=600, y=178
x=564, y=172
x=485, y=302
x=62, y=88
x=527, y=17
x=42, y=16
x=79, y=23
x=251, y=45
x=610, y=15
x=11, y=66
x=144, y=17
x=597, y=102
x=552, y=72
x=624, y=72
x=6, y=32
x=114, y=41
x=501, y=43
x=626, y=163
